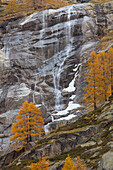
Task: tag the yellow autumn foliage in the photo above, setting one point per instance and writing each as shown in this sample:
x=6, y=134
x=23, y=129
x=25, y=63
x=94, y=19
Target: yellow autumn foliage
x=99, y=78
x=79, y=165
x=43, y=164
x=11, y=7
x=29, y=123
x=29, y=6
x=71, y=165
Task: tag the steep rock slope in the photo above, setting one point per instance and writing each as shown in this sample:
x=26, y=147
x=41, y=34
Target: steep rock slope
x=90, y=137
x=41, y=58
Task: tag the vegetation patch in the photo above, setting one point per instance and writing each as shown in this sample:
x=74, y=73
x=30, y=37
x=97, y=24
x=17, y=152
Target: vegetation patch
x=100, y=1
x=12, y=9
x=105, y=40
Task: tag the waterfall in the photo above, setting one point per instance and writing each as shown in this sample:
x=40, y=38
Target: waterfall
x=54, y=65
x=56, y=79
x=57, y=72
x=47, y=127
x=52, y=118
x=42, y=34
x=7, y=50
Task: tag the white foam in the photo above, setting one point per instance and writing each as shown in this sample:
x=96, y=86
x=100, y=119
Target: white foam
x=71, y=87
x=69, y=117
x=72, y=97
x=71, y=106
x=46, y=128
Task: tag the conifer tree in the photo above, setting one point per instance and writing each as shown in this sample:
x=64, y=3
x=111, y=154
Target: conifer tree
x=29, y=123
x=92, y=90
x=43, y=164
x=110, y=55
x=104, y=75
x=99, y=78
x=79, y=165
x=69, y=164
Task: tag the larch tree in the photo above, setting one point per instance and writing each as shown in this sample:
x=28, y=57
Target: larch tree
x=110, y=55
x=29, y=124
x=92, y=89
x=43, y=164
x=69, y=164
x=72, y=165
x=79, y=164
x=99, y=78
x=104, y=75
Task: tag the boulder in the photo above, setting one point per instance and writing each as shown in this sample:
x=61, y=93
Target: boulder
x=106, y=162
x=90, y=143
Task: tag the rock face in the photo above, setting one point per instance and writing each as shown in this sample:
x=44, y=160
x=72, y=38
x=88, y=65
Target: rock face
x=106, y=161
x=41, y=58
x=90, y=137
x=43, y=49
x=6, y=121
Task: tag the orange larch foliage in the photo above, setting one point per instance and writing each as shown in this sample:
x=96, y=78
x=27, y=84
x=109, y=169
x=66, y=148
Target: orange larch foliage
x=99, y=78
x=69, y=164
x=110, y=56
x=29, y=123
x=104, y=75
x=79, y=164
x=43, y=164
x=27, y=7
x=92, y=90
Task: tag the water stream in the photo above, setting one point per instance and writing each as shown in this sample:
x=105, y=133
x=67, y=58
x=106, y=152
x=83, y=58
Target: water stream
x=57, y=72
x=55, y=64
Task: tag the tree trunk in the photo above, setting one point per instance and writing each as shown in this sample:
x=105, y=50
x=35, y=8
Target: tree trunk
x=111, y=81
x=27, y=139
x=30, y=138
x=95, y=107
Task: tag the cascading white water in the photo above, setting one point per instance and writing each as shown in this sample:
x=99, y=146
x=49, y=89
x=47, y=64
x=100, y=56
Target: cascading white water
x=55, y=64
x=57, y=72
x=42, y=33
x=56, y=45
x=57, y=61
x=56, y=79
x=6, y=48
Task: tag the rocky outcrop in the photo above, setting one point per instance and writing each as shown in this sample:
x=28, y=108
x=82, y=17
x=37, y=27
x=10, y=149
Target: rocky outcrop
x=43, y=49
x=6, y=121
x=90, y=137
x=106, y=161
x=41, y=58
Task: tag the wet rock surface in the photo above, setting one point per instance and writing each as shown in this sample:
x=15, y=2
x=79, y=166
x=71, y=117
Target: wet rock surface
x=43, y=49
x=39, y=53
